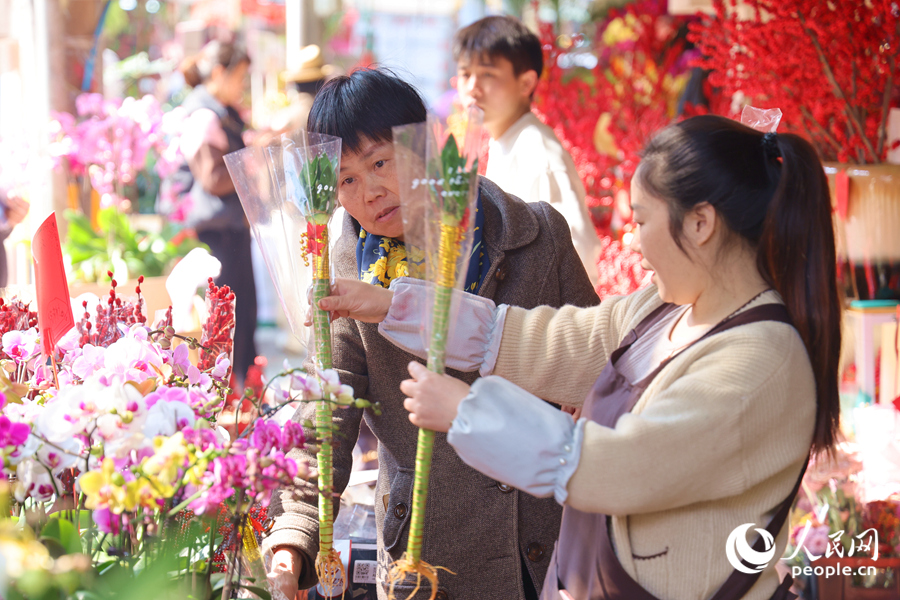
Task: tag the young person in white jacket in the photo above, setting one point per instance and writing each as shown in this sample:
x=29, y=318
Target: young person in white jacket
x=730, y=360
x=498, y=64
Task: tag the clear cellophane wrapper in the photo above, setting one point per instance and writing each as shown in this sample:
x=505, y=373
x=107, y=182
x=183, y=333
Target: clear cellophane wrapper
x=438, y=181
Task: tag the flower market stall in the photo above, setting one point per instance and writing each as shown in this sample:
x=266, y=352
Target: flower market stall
x=133, y=469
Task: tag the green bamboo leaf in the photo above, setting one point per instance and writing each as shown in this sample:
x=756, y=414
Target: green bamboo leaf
x=450, y=153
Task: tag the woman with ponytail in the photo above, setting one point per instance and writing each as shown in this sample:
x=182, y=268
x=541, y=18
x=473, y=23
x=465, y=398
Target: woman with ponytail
x=702, y=395
x=214, y=128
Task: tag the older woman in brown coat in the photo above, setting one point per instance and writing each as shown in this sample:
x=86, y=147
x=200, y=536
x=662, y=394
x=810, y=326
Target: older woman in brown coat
x=495, y=539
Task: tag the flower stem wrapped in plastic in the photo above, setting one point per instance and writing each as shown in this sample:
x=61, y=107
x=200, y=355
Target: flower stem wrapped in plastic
x=289, y=192
x=438, y=189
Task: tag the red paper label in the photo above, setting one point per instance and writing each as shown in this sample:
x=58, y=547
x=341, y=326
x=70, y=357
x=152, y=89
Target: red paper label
x=842, y=194
x=315, y=237
x=54, y=307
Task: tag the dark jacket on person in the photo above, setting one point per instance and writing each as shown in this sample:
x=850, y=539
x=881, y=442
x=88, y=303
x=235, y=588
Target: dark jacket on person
x=475, y=527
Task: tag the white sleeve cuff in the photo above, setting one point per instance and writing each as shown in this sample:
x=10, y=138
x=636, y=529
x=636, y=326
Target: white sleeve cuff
x=517, y=438
x=472, y=342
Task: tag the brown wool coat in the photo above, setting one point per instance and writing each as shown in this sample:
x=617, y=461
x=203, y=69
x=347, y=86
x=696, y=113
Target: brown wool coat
x=472, y=526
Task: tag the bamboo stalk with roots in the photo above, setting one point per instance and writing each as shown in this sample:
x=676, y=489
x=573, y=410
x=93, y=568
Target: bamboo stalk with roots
x=451, y=195
x=329, y=567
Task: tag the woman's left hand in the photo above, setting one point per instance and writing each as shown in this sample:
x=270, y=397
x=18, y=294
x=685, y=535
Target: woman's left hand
x=353, y=299
x=432, y=399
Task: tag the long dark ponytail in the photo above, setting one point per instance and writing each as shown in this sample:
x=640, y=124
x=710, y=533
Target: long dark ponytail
x=796, y=253
x=772, y=191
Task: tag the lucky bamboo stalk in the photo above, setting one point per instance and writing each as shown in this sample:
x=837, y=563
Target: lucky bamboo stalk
x=318, y=178
x=451, y=195
x=328, y=562
x=285, y=188
x=447, y=256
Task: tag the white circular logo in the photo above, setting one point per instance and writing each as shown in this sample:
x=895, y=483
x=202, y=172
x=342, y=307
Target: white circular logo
x=737, y=549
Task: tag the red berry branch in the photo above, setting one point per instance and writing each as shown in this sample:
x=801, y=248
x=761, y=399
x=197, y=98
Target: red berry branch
x=217, y=335
x=605, y=116
x=104, y=330
x=16, y=315
x=830, y=66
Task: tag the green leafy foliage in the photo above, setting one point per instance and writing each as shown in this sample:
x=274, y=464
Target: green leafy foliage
x=61, y=537
x=452, y=189
x=115, y=243
x=319, y=181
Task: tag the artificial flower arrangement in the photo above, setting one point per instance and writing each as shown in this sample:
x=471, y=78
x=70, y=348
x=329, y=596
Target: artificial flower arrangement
x=119, y=475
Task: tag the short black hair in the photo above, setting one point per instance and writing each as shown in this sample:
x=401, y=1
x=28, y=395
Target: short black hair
x=501, y=36
x=367, y=103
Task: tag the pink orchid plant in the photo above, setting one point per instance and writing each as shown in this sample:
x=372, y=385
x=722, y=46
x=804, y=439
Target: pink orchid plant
x=122, y=439
x=110, y=140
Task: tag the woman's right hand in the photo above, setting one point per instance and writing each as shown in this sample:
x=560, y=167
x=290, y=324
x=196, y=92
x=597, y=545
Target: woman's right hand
x=355, y=299
x=284, y=575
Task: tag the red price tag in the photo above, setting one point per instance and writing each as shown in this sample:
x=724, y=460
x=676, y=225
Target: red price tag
x=54, y=307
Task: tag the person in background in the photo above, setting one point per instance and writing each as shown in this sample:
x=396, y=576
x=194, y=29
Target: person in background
x=212, y=129
x=498, y=65
x=14, y=211
x=304, y=83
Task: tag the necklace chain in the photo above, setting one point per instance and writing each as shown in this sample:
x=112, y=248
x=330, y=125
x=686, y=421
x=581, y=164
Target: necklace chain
x=739, y=309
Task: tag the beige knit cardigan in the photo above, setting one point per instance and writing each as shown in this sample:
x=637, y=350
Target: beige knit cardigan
x=717, y=440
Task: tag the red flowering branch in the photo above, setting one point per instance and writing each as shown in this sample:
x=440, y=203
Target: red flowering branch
x=829, y=66
x=217, y=335
x=104, y=329
x=15, y=315
x=605, y=116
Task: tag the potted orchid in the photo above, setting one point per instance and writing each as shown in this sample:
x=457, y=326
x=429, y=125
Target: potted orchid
x=119, y=474
x=112, y=143
x=116, y=151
